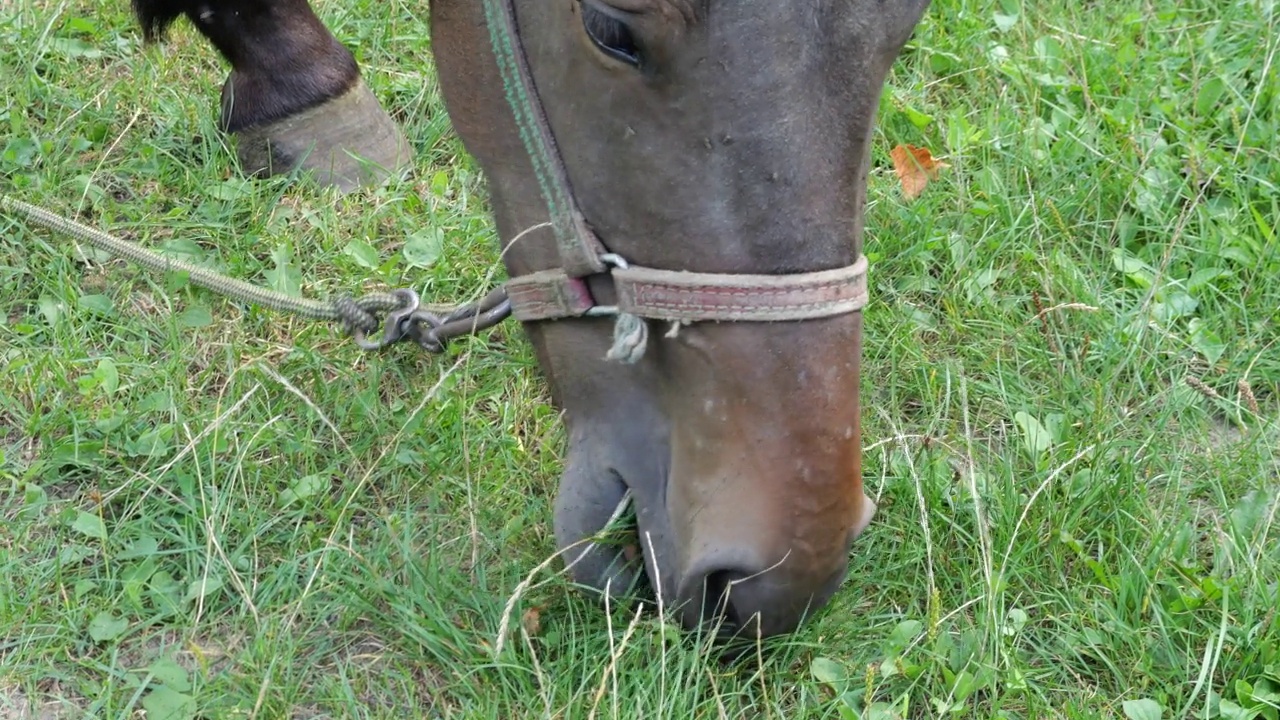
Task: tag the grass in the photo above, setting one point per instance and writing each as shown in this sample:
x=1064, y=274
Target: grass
x=1071, y=391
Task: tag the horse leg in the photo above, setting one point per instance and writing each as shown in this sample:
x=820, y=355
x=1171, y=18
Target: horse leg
x=294, y=97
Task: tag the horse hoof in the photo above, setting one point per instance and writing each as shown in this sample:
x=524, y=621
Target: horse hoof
x=347, y=142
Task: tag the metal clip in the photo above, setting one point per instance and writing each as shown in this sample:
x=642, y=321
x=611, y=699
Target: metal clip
x=614, y=260
x=396, y=325
x=433, y=332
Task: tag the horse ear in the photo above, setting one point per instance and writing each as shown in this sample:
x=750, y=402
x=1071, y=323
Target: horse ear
x=155, y=16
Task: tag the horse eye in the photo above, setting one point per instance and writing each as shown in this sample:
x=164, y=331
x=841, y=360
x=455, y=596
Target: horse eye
x=610, y=35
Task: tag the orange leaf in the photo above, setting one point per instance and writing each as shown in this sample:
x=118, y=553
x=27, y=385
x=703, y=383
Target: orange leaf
x=915, y=168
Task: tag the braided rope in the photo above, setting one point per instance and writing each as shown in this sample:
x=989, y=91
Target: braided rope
x=356, y=315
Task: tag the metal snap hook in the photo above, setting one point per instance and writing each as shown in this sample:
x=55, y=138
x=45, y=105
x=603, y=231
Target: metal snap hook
x=394, y=327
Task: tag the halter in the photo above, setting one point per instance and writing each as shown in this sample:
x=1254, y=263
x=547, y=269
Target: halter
x=643, y=293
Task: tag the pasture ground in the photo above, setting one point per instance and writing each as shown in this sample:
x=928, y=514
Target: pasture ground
x=1071, y=401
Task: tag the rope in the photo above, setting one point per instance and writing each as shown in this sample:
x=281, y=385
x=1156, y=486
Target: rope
x=356, y=315
x=630, y=337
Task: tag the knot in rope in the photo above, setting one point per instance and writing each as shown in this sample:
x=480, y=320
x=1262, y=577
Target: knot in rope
x=355, y=318
x=630, y=338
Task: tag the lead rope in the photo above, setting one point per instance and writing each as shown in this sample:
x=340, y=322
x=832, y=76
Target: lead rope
x=357, y=316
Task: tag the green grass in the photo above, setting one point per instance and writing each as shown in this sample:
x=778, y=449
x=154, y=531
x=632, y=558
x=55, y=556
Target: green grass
x=1071, y=391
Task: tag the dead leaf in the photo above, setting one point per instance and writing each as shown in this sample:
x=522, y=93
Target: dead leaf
x=531, y=620
x=915, y=167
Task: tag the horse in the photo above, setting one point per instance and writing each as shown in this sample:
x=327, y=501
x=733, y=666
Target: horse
x=679, y=188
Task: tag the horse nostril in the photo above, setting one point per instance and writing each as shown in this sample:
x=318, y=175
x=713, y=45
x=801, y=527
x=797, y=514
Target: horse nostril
x=717, y=599
x=752, y=605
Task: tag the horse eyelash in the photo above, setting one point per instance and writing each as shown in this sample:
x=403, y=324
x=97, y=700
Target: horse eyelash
x=611, y=35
